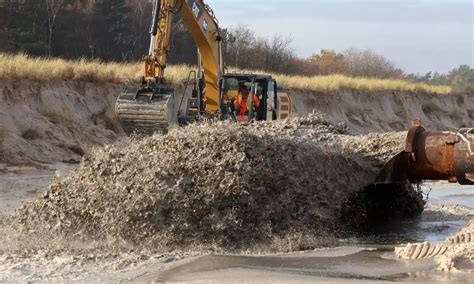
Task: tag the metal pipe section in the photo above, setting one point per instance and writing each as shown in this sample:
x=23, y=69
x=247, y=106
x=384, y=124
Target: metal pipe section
x=433, y=156
x=154, y=25
x=220, y=57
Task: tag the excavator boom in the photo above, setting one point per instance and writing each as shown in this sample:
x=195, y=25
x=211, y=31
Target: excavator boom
x=153, y=106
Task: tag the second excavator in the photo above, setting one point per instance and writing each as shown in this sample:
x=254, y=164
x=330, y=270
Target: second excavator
x=154, y=106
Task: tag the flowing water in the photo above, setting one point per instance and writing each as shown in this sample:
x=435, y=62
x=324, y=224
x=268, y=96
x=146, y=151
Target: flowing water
x=360, y=260
x=434, y=229
x=363, y=259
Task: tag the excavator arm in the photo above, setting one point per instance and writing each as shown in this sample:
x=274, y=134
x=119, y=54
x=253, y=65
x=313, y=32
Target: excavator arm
x=153, y=106
x=201, y=22
x=160, y=32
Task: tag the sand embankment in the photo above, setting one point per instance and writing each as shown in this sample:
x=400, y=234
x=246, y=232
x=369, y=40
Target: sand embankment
x=58, y=121
x=386, y=111
x=47, y=122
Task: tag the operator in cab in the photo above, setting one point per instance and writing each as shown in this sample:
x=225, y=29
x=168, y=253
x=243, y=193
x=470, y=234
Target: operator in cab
x=242, y=102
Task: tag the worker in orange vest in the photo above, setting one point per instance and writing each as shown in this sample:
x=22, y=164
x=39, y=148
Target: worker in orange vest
x=242, y=100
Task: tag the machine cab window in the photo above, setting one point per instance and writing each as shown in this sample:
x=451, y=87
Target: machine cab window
x=244, y=98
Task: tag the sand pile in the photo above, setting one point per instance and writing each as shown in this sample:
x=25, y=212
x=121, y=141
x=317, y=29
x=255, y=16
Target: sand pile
x=214, y=186
x=455, y=254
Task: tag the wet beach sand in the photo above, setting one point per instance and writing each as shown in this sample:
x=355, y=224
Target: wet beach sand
x=358, y=260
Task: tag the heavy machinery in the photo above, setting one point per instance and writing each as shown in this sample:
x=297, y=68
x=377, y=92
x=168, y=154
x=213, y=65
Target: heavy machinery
x=155, y=106
x=430, y=155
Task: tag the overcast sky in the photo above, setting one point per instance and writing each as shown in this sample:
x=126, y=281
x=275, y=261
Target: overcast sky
x=417, y=35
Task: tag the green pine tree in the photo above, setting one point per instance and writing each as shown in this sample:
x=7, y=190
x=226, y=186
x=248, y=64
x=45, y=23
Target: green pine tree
x=25, y=26
x=109, y=29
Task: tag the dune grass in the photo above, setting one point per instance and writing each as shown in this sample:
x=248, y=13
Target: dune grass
x=44, y=69
x=41, y=69
x=22, y=66
x=336, y=82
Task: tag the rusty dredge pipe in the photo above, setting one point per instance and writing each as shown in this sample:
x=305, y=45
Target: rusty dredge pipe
x=432, y=156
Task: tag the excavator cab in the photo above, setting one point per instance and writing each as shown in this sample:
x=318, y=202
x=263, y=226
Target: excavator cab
x=262, y=103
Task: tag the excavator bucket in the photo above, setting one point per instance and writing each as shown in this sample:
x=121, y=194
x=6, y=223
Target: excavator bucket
x=146, y=110
x=432, y=156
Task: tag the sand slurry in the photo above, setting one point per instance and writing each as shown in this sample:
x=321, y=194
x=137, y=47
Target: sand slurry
x=443, y=212
x=218, y=186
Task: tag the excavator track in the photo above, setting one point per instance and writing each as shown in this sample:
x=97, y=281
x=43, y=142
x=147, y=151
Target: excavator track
x=146, y=113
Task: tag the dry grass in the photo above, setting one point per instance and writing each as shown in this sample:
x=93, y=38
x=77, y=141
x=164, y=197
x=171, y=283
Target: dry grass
x=336, y=82
x=24, y=67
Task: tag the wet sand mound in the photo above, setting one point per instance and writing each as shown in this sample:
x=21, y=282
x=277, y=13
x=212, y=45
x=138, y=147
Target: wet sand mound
x=280, y=186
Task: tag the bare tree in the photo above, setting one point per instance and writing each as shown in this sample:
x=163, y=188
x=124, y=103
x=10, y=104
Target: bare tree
x=245, y=49
x=243, y=40
x=280, y=53
x=52, y=7
x=366, y=63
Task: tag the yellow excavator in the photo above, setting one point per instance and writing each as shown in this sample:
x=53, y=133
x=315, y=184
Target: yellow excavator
x=154, y=106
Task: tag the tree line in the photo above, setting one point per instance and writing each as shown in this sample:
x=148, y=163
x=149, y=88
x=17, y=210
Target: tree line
x=461, y=79
x=108, y=30
x=117, y=30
